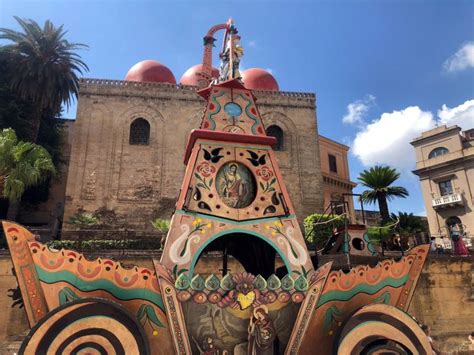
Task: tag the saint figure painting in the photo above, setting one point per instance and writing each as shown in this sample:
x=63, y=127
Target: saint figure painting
x=236, y=185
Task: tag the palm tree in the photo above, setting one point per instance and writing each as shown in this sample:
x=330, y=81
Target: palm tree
x=22, y=164
x=409, y=223
x=379, y=179
x=42, y=66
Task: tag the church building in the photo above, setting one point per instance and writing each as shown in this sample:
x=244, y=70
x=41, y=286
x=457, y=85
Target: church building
x=127, y=146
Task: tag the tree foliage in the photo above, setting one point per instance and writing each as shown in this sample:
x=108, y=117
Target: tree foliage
x=43, y=65
x=83, y=220
x=410, y=224
x=379, y=180
x=161, y=225
x=319, y=227
x=18, y=114
x=39, y=71
x=22, y=165
x=106, y=244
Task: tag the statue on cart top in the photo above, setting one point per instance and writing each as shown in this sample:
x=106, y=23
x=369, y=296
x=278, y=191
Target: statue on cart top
x=230, y=57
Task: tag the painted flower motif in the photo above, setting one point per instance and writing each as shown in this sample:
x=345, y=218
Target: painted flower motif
x=206, y=169
x=199, y=226
x=265, y=173
x=243, y=282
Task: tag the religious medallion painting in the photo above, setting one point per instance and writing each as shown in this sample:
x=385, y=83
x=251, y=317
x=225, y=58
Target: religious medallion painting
x=235, y=185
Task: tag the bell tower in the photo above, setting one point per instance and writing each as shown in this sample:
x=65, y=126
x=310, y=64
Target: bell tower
x=233, y=186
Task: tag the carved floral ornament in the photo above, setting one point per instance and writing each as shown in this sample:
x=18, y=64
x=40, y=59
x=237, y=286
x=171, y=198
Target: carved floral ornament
x=242, y=179
x=242, y=290
x=205, y=169
x=280, y=234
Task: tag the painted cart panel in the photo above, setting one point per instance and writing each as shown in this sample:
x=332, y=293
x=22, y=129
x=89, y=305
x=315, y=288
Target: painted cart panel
x=49, y=279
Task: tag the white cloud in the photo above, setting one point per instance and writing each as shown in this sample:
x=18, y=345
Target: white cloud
x=462, y=115
x=387, y=139
x=357, y=109
x=462, y=59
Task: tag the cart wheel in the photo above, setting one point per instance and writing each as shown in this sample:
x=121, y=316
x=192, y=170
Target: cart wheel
x=87, y=326
x=382, y=329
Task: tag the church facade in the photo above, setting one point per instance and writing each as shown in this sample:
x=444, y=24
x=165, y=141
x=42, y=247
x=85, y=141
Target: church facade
x=124, y=152
x=128, y=143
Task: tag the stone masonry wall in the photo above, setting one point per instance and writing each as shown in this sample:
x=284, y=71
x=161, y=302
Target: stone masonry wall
x=444, y=300
x=140, y=183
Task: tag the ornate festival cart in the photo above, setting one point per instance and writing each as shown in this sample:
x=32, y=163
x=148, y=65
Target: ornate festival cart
x=233, y=198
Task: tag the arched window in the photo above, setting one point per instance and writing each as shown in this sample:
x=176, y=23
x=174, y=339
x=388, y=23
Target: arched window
x=140, y=132
x=438, y=152
x=277, y=132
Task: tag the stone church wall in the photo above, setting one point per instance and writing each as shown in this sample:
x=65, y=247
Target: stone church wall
x=135, y=183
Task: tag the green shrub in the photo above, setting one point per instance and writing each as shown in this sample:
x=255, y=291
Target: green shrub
x=161, y=225
x=83, y=220
x=317, y=234
x=108, y=244
x=378, y=234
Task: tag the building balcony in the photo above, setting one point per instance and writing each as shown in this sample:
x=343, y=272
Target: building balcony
x=447, y=201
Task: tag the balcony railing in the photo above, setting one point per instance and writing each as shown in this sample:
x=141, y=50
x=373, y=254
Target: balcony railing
x=448, y=200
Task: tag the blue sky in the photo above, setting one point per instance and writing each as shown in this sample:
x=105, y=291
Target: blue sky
x=385, y=68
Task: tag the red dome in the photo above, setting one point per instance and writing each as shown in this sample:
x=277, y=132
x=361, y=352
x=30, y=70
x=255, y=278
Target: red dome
x=150, y=71
x=259, y=79
x=190, y=77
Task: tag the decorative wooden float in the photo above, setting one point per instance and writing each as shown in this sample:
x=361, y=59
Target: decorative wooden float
x=233, y=198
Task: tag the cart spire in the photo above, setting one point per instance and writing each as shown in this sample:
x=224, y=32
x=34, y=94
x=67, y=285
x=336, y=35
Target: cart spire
x=229, y=55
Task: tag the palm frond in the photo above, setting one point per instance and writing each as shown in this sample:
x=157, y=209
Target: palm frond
x=369, y=196
x=44, y=66
x=396, y=191
x=378, y=177
x=378, y=180
x=22, y=165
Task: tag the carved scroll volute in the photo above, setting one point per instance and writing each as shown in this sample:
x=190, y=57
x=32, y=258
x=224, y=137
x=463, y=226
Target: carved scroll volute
x=416, y=258
x=31, y=291
x=174, y=312
x=307, y=309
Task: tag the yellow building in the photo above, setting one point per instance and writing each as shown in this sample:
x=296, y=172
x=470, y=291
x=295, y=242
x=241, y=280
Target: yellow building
x=335, y=173
x=445, y=165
